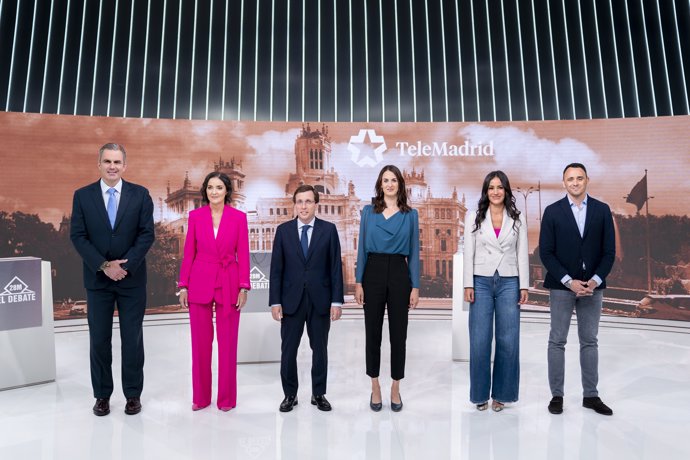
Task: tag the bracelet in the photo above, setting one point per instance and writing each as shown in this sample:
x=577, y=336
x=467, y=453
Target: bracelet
x=181, y=291
x=244, y=290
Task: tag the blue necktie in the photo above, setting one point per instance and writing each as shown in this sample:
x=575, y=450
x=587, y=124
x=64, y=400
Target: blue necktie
x=112, y=207
x=305, y=239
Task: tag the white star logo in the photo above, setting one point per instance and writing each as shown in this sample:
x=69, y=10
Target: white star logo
x=358, y=144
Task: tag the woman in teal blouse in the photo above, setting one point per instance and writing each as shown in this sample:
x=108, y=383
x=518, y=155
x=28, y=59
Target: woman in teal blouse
x=387, y=277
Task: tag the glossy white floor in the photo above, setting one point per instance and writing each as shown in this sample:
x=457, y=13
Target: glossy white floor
x=645, y=378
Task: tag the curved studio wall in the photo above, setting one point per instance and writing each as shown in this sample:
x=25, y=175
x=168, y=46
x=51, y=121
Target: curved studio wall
x=188, y=86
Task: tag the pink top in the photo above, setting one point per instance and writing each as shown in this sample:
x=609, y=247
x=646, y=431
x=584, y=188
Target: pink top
x=497, y=230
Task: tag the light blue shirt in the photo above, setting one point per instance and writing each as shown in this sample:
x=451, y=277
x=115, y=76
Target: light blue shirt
x=399, y=234
x=106, y=196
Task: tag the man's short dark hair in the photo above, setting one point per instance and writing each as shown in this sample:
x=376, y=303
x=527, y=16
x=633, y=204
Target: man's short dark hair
x=305, y=188
x=575, y=165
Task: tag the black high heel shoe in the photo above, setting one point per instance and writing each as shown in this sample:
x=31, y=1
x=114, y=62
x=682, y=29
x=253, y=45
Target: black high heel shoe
x=376, y=407
x=397, y=407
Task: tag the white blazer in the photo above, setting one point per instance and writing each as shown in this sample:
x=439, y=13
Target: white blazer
x=484, y=254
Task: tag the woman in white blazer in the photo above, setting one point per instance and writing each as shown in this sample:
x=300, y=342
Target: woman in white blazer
x=496, y=280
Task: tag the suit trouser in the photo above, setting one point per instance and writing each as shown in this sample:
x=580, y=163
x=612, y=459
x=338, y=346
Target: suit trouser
x=588, y=311
x=386, y=283
x=131, y=305
x=291, y=329
x=227, y=327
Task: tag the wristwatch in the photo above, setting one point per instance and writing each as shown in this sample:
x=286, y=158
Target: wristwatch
x=568, y=283
x=244, y=290
x=104, y=265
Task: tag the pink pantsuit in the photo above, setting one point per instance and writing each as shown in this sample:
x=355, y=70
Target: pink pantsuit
x=213, y=270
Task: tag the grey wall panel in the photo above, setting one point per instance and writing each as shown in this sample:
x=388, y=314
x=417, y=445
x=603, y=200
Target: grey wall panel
x=359, y=60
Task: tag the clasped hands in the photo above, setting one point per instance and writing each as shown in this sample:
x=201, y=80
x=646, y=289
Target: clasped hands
x=583, y=288
x=277, y=312
x=114, y=270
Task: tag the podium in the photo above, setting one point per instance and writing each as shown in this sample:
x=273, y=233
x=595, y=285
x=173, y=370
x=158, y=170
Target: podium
x=27, y=337
x=259, y=334
x=461, y=313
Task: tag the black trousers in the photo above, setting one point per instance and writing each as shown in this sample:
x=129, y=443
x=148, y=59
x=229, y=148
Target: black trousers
x=291, y=329
x=386, y=283
x=131, y=305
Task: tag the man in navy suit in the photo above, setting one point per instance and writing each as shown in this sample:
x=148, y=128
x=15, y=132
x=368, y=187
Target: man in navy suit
x=306, y=288
x=112, y=230
x=578, y=247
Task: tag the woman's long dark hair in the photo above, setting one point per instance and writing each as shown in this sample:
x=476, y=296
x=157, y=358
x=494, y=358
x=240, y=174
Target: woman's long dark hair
x=224, y=179
x=379, y=203
x=508, y=200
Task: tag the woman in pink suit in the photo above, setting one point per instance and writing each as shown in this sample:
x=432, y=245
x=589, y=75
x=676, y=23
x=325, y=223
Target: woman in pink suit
x=215, y=272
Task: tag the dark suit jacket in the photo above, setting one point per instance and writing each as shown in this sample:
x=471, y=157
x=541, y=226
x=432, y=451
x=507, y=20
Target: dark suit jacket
x=320, y=274
x=96, y=242
x=563, y=251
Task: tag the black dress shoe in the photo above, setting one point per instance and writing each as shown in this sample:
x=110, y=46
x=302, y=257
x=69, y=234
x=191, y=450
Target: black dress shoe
x=556, y=405
x=597, y=404
x=288, y=403
x=133, y=406
x=396, y=407
x=102, y=407
x=376, y=407
x=321, y=402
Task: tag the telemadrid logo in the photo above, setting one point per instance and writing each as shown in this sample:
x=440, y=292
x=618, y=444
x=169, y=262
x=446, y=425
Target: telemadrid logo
x=359, y=141
x=359, y=145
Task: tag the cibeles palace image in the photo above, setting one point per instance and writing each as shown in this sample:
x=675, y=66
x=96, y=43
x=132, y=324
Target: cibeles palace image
x=441, y=218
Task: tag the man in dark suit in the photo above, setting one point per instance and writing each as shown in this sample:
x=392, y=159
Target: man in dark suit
x=112, y=230
x=578, y=248
x=306, y=288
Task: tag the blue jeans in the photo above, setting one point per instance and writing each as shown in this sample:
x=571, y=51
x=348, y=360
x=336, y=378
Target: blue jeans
x=500, y=296
x=588, y=311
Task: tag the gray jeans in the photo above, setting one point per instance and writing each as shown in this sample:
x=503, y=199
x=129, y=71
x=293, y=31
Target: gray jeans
x=588, y=311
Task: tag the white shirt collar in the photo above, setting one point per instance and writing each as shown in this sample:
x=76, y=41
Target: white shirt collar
x=572, y=203
x=300, y=224
x=105, y=187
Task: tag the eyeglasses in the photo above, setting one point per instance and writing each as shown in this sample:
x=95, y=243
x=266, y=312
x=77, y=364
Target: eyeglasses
x=304, y=203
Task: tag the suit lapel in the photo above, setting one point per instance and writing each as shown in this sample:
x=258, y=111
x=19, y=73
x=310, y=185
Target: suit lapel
x=505, y=227
x=488, y=229
x=296, y=242
x=125, y=199
x=589, y=212
x=316, y=235
x=223, y=229
x=97, y=196
x=207, y=223
x=565, y=206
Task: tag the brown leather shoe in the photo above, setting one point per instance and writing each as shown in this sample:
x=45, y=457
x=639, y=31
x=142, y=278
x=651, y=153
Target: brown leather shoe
x=102, y=407
x=133, y=406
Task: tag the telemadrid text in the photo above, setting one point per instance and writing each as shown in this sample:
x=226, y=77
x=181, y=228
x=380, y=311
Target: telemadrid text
x=444, y=149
